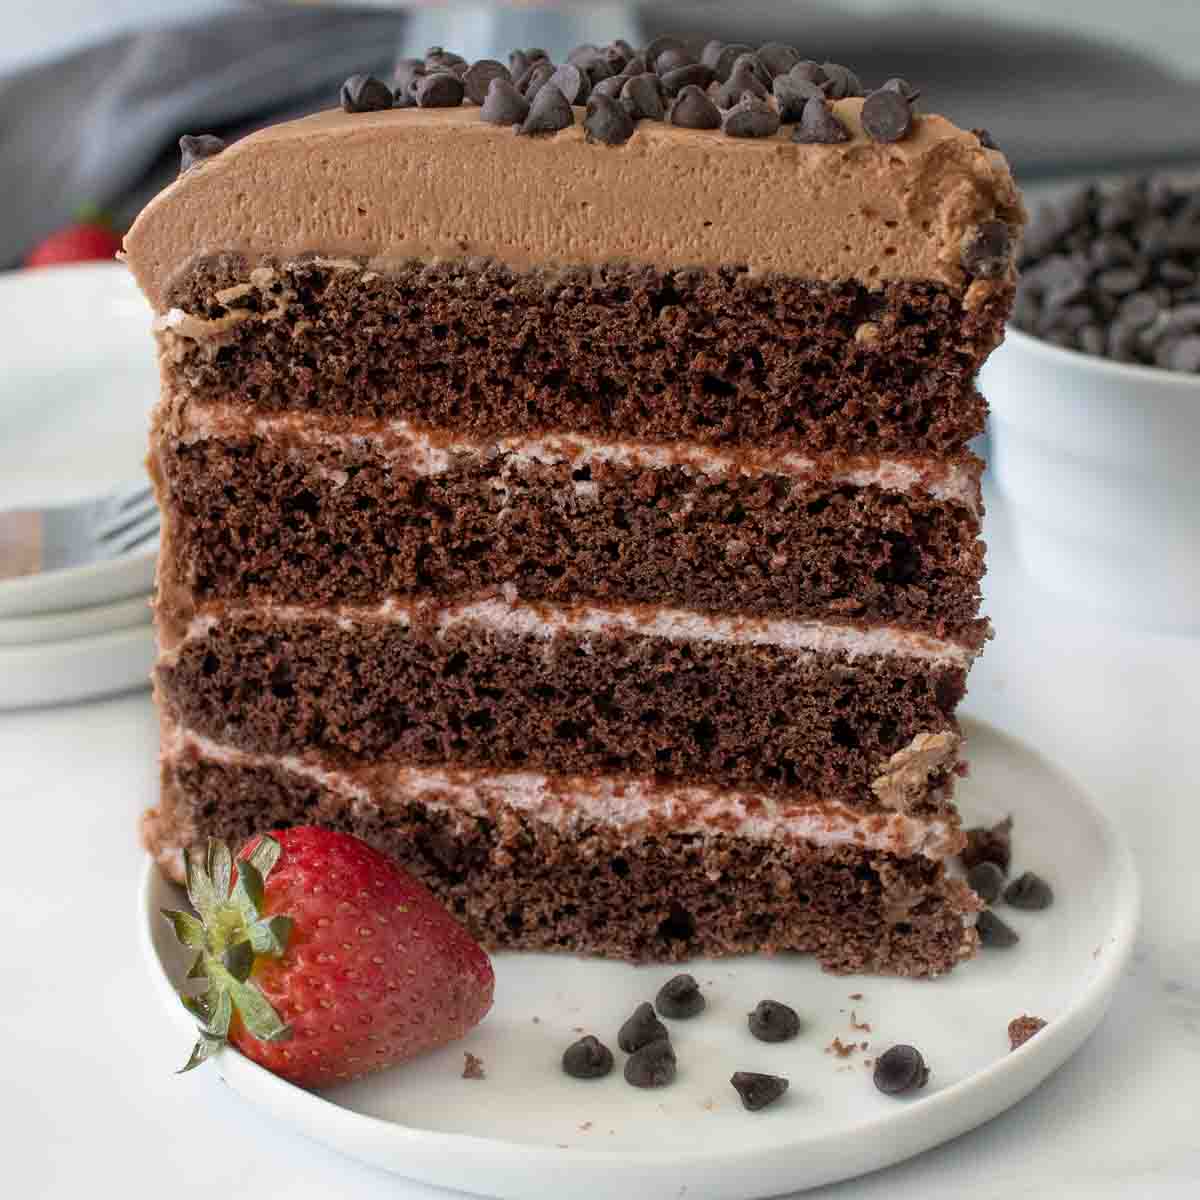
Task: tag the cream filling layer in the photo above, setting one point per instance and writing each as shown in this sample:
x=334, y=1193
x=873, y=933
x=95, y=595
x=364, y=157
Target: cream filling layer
x=576, y=802
x=422, y=453
x=544, y=622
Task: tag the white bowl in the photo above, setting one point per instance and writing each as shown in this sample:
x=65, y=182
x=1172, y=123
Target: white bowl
x=1098, y=465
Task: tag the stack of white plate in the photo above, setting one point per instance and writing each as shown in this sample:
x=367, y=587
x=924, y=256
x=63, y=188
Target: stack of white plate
x=78, y=383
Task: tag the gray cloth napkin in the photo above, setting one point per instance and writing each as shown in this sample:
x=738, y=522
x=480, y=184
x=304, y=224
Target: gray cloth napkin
x=101, y=126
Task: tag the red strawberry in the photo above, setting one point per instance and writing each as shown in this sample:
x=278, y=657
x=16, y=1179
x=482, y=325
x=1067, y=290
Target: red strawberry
x=91, y=237
x=365, y=970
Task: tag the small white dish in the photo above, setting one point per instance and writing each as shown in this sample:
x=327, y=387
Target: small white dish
x=526, y=1130
x=80, y=377
x=1095, y=462
x=83, y=622
x=80, y=669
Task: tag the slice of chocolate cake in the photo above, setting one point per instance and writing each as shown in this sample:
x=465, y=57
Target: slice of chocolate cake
x=576, y=504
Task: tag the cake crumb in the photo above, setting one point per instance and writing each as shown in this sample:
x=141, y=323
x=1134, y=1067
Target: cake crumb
x=536, y=1020
x=855, y=1023
x=1021, y=1029
x=856, y=995
x=708, y=1105
x=840, y=1048
x=585, y=1127
x=473, y=1066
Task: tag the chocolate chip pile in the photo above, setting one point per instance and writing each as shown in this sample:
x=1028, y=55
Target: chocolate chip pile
x=743, y=91
x=987, y=858
x=1116, y=272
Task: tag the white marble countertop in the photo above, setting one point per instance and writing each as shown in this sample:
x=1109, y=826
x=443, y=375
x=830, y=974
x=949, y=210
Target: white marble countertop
x=89, y=1098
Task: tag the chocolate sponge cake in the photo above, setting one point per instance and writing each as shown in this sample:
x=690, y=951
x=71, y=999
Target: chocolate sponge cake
x=577, y=506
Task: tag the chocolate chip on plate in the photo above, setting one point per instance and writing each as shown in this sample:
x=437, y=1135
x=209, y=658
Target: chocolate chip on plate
x=653, y=1066
x=992, y=844
x=641, y=1028
x=994, y=933
x=900, y=1069
x=819, y=125
x=772, y=1021
x=756, y=1090
x=694, y=110
x=479, y=77
x=750, y=118
x=548, y=113
x=986, y=880
x=503, y=104
x=1030, y=892
x=441, y=89
x=643, y=96
x=194, y=148
x=365, y=93
x=588, y=1058
x=680, y=998
x=887, y=116
x=607, y=120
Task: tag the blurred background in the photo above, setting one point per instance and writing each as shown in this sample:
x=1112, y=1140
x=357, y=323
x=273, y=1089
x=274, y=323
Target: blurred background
x=95, y=93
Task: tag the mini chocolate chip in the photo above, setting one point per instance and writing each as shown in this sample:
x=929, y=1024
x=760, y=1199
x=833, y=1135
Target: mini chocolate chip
x=610, y=87
x=750, y=118
x=742, y=80
x=819, y=125
x=808, y=71
x=503, y=104
x=194, y=148
x=536, y=54
x=1120, y=281
x=440, y=56
x=365, y=93
x=1091, y=341
x=587, y=1058
x=694, y=110
x=778, y=58
x=842, y=82
x=572, y=82
x=989, y=845
x=680, y=998
x=439, y=90
x=695, y=75
x=673, y=58
x=607, y=120
x=403, y=75
x=1030, y=892
x=535, y=79
x=994, y=932
x=651, y=1066
x=772, y=1021
x=637, y=65
x=583, y=53
x=987, y=250
x=986, y=880
x=757, y=1091
x=518, y=63
x=1184, y=318
x=792, y=94
x=730, y=53
x=900, y=1069
x=1175, y=274
x=597, y=69
x=712, y=52
x=660, y=45
x=985, y=139
x=640, y=1029
x=644, y=96
x=887, y=116
x=1139, y=310
x=752, y=63
x=549, y=112
x=1184, y=355
x=479, y=77
x=902, y=88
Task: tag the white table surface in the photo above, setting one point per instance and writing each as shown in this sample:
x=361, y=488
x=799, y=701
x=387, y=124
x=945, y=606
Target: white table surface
x=89, y=1101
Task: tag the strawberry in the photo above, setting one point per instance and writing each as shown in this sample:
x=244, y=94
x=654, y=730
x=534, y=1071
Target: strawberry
x=323, y=959
x=91, y=237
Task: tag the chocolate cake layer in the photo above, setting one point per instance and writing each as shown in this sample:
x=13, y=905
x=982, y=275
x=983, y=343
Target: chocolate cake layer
x=303, y=516
x=520, y=883
x=711, y=355
x=506, y=686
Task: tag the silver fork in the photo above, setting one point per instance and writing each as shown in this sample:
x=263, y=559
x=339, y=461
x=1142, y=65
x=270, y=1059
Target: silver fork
x=48, y=539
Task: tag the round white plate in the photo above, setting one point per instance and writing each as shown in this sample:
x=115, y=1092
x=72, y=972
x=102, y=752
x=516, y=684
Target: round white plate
x=80, y=377
x=83, y=622
x=526, y=1130
x=80, y=669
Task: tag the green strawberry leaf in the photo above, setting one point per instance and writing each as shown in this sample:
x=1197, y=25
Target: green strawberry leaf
x=220, y=867
x=259, y=1017
x=204, y=1048
x=265, y=855
x=200, y=888
x=238, y=960
x=199, y=967
x=188, y=929
x=247, y=892
x=222, y=1013
x=271, y=935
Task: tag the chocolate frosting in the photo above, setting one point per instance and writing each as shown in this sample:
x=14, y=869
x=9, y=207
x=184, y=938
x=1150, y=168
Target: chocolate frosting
x=435, y=184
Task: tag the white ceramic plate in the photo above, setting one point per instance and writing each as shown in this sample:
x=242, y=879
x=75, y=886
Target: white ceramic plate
x=83, y=622
x=78, y=383
x=527, y=1130
x=80, y=669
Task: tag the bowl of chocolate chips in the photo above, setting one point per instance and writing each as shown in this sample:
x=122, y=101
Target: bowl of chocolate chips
x=1095, y=399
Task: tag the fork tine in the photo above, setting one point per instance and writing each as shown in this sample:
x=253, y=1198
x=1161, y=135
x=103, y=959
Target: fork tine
x=114, y=524
x=132, y=533
x=135, y=495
